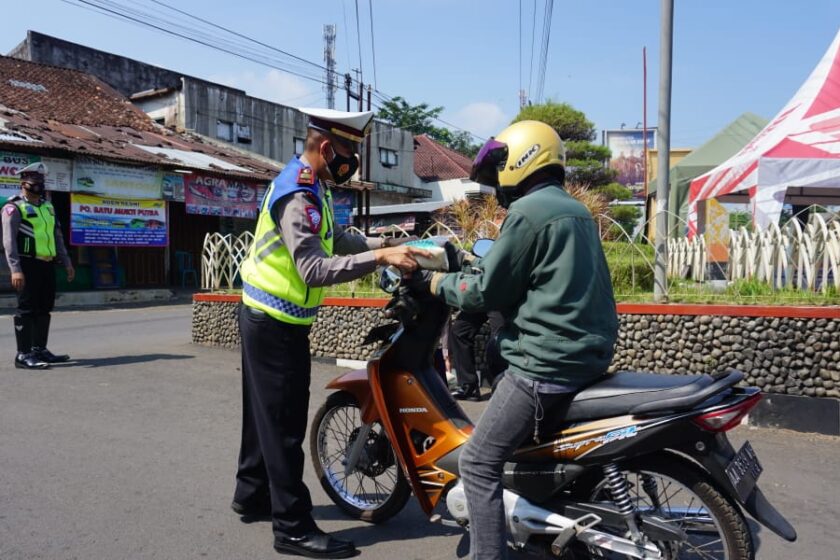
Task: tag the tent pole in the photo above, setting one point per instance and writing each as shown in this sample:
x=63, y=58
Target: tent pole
x=666, y=40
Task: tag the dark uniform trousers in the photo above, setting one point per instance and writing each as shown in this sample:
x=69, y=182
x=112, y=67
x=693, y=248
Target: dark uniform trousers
x=35, y=302
x=462, y=332
x=276, y=372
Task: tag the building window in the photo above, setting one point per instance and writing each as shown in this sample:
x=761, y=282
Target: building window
x=387, y=157
x=243, y=133
x=299, y=144
x=224, y=131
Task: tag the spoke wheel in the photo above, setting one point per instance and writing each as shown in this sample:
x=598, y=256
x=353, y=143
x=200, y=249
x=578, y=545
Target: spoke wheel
x=377, y=489
x=677, y=493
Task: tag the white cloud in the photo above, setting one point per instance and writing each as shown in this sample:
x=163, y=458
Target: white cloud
x=273, y=86
x=482, y=118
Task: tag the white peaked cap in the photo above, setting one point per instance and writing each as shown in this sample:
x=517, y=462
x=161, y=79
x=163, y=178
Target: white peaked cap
x=37, y=167
x=348, y=125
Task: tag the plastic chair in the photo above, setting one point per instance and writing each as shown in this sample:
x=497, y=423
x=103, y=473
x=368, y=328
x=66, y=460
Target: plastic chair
x=185, y=269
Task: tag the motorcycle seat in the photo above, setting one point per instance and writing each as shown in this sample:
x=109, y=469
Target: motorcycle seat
x=630, y=392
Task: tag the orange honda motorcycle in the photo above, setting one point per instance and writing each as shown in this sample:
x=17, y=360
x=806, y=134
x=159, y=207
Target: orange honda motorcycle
x=639, y=467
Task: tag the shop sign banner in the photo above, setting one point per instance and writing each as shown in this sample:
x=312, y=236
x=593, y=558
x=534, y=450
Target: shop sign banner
x=173, y=187
x=215, y=196
x=343, y=207
x=96, y=220
x=59, y=172
x=118, y=181
x=627, y=149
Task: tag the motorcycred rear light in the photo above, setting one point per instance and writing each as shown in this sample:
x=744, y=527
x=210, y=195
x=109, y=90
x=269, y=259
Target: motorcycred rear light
x=726, y=419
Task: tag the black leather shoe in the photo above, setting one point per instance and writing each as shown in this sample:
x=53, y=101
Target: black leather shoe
x=46, y=356
x=29, y=361
x=316, y=544
x=261, y=509
x=467, y=393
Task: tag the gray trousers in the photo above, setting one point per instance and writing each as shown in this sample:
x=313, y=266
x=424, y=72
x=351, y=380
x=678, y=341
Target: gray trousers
x=509, y=421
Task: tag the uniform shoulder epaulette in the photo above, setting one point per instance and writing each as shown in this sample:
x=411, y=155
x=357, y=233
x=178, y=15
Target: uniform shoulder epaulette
x=305, y=176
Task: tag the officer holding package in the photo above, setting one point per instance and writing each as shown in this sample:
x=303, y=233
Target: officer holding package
x=298, y=250
x=33, y=244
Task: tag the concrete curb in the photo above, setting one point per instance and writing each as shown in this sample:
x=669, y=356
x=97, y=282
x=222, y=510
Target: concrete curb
x=98, y=298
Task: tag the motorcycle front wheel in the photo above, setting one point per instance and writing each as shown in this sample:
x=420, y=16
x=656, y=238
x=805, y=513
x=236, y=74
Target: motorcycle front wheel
x=680, y=494
x=377, y=489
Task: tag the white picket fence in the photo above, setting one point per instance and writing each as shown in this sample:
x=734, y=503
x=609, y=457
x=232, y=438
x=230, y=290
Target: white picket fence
x=791, y=256
x=222, y=255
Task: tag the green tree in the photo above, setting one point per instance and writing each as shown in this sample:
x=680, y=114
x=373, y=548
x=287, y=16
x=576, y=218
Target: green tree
x=615, y=191
x=418, y=119
x=569, y=123
x=415, y=118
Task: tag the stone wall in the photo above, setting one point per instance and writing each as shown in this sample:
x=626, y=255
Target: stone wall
x=794, y=356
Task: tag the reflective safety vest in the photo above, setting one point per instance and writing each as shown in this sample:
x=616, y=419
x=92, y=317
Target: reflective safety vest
x=36, y=233
x=270, y=280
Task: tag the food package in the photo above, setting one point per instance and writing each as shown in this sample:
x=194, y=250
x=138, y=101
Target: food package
x=434, y=245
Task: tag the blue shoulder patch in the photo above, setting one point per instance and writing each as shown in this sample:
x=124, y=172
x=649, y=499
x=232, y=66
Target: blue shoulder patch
x=287, y=182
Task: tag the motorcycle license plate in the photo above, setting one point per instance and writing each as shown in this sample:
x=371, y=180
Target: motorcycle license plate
x=743, y=471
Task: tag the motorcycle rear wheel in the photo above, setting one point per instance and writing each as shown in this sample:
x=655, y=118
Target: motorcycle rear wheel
x=377, y=490
x=687, y=497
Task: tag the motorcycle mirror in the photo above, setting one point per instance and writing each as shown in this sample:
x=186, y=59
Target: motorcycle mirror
x=390, y=279
x=481, y=247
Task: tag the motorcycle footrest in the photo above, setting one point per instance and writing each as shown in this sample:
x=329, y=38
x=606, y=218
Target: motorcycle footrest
x=567, y=534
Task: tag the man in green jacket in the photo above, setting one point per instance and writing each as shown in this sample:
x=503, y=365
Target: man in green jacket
x=548, y=276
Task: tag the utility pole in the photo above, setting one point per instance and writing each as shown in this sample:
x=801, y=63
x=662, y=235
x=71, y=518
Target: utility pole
x=666, y=43
x=329, y=61
x=523, y=98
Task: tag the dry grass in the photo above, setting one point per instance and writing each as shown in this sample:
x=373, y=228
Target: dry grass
x=474, y=218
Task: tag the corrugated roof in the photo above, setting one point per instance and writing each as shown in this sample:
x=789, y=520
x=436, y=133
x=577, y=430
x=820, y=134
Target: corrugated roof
x=435, y=162
x=48, y=109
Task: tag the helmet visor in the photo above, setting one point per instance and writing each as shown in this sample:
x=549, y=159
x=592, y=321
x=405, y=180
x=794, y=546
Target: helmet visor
x=491, y=159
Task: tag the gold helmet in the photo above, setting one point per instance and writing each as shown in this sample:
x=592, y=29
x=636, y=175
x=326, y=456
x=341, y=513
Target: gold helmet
x=518, y=152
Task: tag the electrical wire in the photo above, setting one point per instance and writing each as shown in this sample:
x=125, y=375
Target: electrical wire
x=533, y=35
x=236, y=33
x=546, y=39
x=359, y=40
x=372, y=44
x=520, y=51
x=346, y=33
x=235, y=48
x=132, y=16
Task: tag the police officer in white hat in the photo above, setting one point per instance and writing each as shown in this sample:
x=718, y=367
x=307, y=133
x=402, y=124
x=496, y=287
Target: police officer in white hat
x=33, y=244
x=298, y=250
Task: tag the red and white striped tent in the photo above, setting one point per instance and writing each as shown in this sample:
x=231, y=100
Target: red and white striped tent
x=794, y=159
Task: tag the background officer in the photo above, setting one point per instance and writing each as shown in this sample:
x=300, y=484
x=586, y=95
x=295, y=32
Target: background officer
x=33, y=242
x=292, y=260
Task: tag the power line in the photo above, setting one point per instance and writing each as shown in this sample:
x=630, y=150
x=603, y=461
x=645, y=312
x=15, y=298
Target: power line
x=533, y=35
x=346, y=33
x=520, y=46
x=230, y=50
x=236, y=33
x=546, y=38
x=359, y=40
x=372, y=44
x=124, y=13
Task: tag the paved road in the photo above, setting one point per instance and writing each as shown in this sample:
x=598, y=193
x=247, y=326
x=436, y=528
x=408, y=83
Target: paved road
x=131, y=453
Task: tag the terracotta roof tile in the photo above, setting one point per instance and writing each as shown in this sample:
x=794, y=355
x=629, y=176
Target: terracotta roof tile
x=48, y=109
x=435, y=162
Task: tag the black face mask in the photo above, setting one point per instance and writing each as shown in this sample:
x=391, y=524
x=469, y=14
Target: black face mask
x=34, y=188
x=506, y=197
x=342, y=167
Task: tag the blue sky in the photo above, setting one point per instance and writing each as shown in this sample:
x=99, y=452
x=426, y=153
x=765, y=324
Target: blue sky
x=730, y=56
